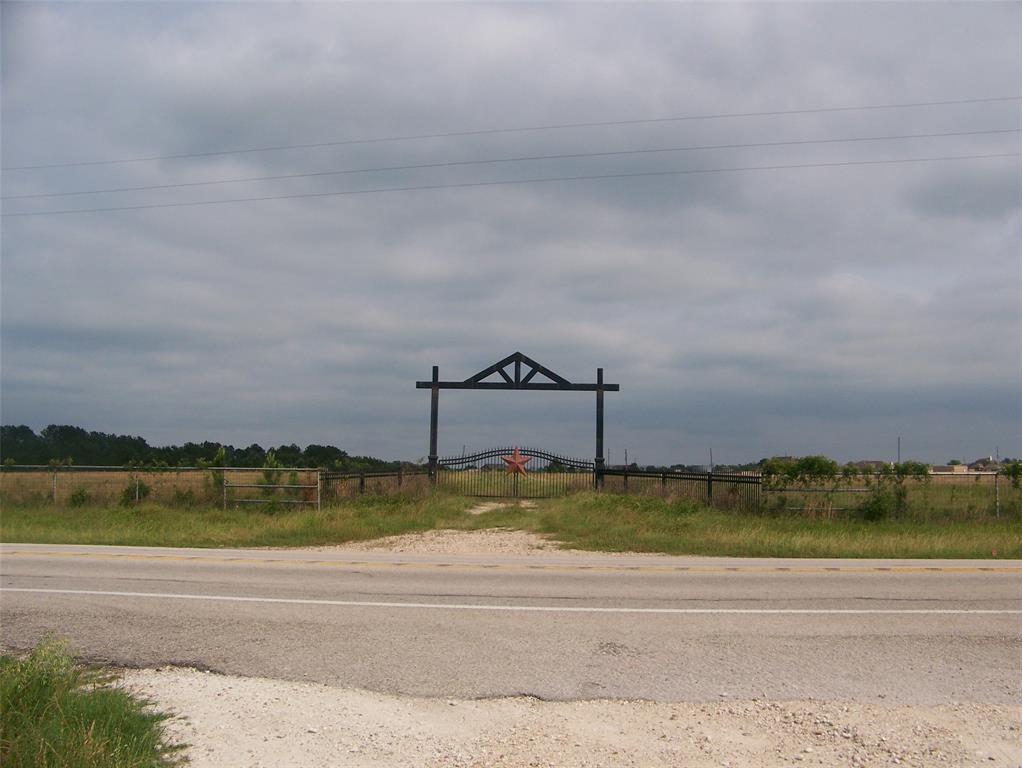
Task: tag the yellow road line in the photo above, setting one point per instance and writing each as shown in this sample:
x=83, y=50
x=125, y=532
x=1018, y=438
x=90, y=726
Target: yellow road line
x=694, y=569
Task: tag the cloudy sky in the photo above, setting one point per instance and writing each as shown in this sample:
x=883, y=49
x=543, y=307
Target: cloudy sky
x=801, y=310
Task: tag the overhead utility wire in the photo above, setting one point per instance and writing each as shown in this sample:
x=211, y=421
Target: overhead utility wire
x=506, y=182
x=522, y=129
x=524, y=158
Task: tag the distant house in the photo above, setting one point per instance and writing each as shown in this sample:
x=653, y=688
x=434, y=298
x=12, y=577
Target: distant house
x=985, y=464
x=957, y=469
x=870, y=465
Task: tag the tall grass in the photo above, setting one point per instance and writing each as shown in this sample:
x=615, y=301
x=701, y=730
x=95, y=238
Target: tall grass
x=601, y=522
x=642, y=524
x=357, y=519
x=55, y=713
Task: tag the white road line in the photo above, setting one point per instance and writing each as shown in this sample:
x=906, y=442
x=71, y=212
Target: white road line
x=525, y=608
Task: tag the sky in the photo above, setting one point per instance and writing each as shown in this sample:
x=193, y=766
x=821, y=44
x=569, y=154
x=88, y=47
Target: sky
x=825, y=308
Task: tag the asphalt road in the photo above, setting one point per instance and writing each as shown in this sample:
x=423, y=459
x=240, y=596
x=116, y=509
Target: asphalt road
x=551, y=626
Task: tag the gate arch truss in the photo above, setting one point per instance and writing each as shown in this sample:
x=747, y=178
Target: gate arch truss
x=483, y=474
x=516, y=372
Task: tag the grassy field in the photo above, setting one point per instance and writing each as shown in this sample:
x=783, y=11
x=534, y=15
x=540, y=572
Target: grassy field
x=601, y=522
x=55, y=713
x=155, y=525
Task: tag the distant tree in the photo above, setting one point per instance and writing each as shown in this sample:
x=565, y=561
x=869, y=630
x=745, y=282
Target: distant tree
x=23, y=445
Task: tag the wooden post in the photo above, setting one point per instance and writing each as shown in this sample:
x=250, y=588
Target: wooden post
x=361, y=482
x=598, y=463
x=434, y=405
x=709, y=489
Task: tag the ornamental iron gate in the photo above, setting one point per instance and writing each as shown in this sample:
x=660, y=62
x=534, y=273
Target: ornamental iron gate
x=487, y=473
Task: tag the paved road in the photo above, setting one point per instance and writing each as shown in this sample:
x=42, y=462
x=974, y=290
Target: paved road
x=552, y=626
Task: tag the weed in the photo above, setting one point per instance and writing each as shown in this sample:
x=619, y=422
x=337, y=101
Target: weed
x=135, y=492
x=185, y=499
x=55, y=712
x=79, y=498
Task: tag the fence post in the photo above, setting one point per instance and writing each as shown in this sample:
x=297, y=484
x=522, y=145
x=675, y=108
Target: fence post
x=997, y=496
x=136, y=489
x=54, y=494
x=224, y=478
x=663, y=483
x=400, y=476
x=361, y=482
x=319, y=490
x=709, y=488
x=626, y=478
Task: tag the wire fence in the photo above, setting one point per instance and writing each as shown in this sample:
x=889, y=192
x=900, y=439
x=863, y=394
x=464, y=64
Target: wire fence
x=724, y=490
x=935, y=496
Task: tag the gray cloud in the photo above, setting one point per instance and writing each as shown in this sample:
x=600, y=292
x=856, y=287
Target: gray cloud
x=760, y=312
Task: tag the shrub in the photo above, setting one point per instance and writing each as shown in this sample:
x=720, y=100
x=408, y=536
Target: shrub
x=79, y=498
x=884, y=503
x=183, y=499
x=136, y=491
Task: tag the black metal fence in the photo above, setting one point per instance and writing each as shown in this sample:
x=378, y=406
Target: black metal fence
x=484, y=474
x=724, y=490
x=345, y=485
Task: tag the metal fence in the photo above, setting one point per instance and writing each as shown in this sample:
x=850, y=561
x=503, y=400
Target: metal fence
x=946, y=496
x=484, y=474
x=724, y=490
x=346, y=485
x=936, y=495
x=177, y=486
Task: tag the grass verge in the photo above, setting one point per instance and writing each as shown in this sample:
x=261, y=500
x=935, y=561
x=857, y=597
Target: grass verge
x=55, y=713
x=599, y=522
x=154, y=525
x=642, y=524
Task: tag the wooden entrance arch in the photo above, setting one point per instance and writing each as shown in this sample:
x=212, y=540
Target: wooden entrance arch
x=516, y=371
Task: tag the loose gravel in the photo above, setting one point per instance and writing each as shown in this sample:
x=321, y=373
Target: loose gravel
x=247, y=722
x=251, y=722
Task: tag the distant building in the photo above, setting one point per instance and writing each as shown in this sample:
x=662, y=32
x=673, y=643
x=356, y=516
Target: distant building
x=985, y=464
x=870, y=465
x=957, y=469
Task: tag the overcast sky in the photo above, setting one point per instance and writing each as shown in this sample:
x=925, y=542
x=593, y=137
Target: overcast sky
x=786, y=311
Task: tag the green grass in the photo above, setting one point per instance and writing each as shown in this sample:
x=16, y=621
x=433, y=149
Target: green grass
x=638, y=524
x=55, y=713
x=601, y=522
x=155, y=525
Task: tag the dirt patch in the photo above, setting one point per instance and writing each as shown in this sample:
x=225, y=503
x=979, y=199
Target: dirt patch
x=231, y=721
x=448, y=542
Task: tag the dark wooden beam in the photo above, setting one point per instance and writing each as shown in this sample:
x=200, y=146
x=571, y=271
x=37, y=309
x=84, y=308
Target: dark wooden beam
x=538, y=386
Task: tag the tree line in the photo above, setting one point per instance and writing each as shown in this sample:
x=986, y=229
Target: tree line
x=64, y=444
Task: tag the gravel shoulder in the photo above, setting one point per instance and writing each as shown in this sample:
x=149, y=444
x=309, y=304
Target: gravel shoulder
x=232, y=721
x=245, y=721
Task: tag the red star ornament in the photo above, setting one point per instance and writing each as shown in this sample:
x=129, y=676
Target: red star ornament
x=516, y=463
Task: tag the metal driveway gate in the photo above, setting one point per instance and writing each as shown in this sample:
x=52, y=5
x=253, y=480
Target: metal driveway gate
x=485, y=474
x=516, y=371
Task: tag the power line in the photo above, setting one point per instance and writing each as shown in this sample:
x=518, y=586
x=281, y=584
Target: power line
x=521, y=129
x=517, y=181
x=523, y=158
